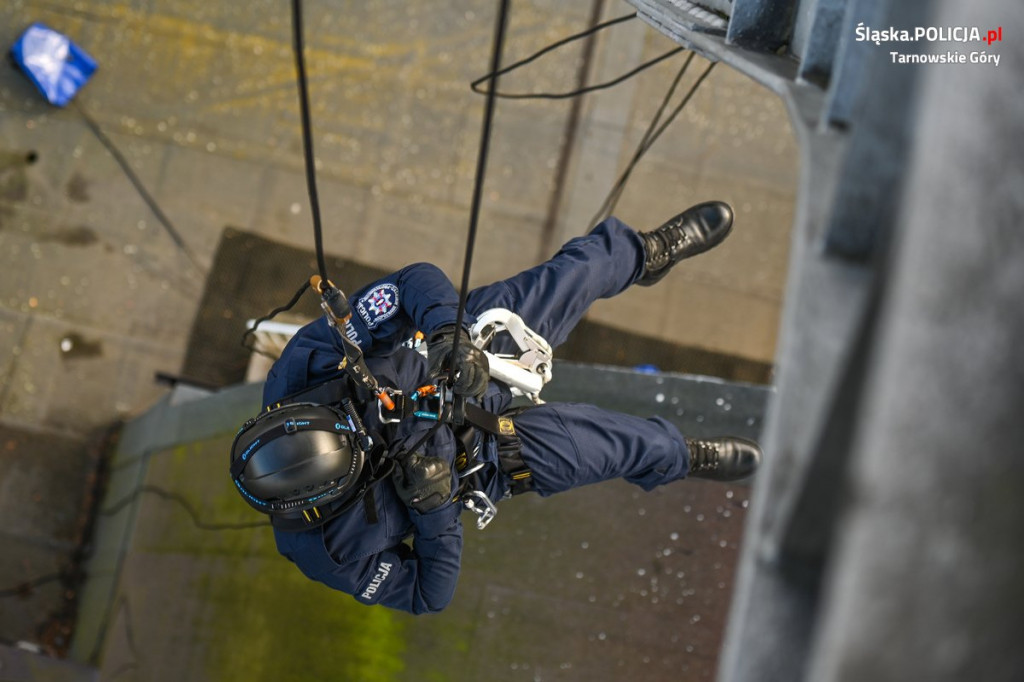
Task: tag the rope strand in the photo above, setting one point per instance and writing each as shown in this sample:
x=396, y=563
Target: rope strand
x=610, y=201
x=590, y=88
x=307, y=139
x=478, y=185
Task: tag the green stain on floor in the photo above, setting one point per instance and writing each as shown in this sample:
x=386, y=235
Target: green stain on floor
x=278, y=625
x=255, y=614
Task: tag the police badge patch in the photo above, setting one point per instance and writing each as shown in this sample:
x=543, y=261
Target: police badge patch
x=378, y=305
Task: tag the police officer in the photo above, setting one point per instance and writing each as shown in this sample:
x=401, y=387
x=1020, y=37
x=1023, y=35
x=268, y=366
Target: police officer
x=360, y=548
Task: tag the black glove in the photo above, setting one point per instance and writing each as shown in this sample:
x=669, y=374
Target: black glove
x=472, y=372
x=424, y=483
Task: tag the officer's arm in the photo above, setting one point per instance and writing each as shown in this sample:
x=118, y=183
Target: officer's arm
x=424, y=483
x=433, y=301
x=420, y=579
x=311, y=356
x=419, y=297
x=429, y=572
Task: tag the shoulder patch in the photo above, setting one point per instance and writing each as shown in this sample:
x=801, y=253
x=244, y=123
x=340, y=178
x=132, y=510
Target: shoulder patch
x=378, y=305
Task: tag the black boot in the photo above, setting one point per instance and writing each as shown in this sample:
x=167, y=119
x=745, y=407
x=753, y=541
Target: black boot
x=693, y=231
x=723, y=459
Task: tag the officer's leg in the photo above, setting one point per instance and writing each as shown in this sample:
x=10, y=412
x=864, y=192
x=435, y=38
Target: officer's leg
x=568, y=445
x=553, y=296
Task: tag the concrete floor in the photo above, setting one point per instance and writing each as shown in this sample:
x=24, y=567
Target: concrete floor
x=604, y=584
x=95, y=295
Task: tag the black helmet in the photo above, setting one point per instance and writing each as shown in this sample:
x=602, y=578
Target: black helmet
x=298, y=463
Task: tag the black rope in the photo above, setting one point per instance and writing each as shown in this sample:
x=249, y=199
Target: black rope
x=180, y=500
x=608, y=205
x=310, y=169
x=613, y=196
x=26, y=588
x=590, y=88
x=307, y=138
x=478, y=185
x=553, y=46
x=565, y=41
x=124, y=607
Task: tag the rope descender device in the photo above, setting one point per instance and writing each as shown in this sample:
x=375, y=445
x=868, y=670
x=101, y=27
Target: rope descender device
x=339, y=312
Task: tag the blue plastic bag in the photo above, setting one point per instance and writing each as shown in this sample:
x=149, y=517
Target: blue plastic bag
x=57, y=66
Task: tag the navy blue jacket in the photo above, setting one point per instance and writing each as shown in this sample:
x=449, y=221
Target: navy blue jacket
x=369, y=558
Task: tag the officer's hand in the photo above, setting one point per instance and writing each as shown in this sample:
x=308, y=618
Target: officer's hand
x=472, y=371
x=424, y=483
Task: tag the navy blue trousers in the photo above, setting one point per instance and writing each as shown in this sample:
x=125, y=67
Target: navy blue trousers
x=567, y=445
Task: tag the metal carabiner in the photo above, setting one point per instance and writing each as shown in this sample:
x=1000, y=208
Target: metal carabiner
x=380, y=408
x=477, y=502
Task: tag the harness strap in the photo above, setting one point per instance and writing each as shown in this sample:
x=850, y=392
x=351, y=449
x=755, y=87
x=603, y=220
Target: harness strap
x=512, y=465
x=510, y=458
x=496, y=425
x=288, y=427
x=327, y=393
x=370, y=506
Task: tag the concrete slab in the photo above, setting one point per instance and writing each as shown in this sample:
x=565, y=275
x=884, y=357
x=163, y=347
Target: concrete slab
x=42, y=528
x=37, y=468
x=33, y=569
x=84, y=387
x=283, y=214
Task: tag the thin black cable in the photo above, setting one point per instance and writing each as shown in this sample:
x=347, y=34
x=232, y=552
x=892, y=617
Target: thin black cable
x=269, y=316
x=536, y=55
x=307, y=138
x=183, y=503
x=610, y=201
x=478, y=185
x=612, y=198
x=27, y=586
x=668, y=97
x=590, y=88
x=553, y=46
x=129, y=634
x=679, y=108
x=126, y=167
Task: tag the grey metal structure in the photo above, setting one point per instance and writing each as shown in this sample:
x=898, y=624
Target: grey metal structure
x=884, y=541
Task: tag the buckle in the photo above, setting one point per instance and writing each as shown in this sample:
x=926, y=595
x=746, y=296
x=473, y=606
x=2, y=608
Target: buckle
x=428, y=402
x=393, y=416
